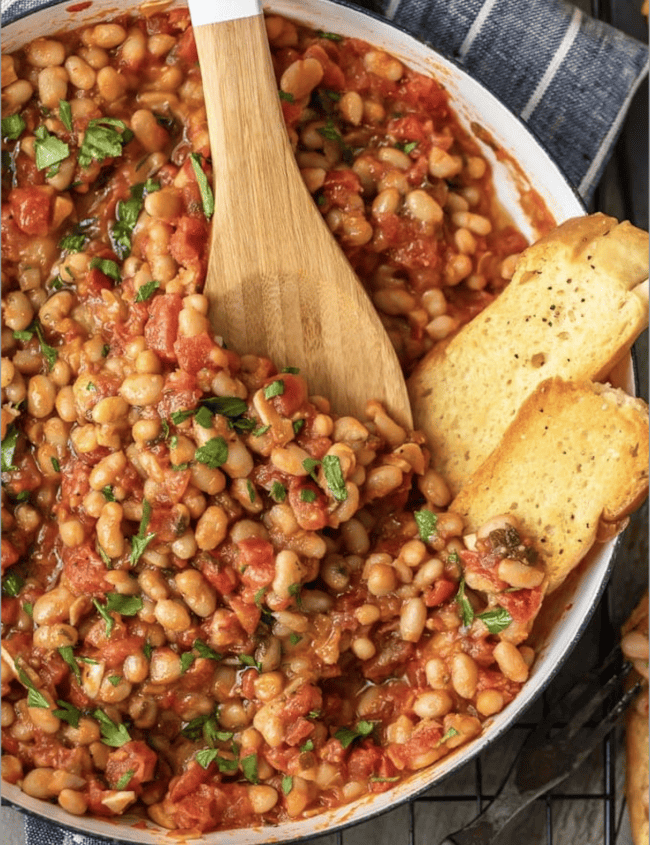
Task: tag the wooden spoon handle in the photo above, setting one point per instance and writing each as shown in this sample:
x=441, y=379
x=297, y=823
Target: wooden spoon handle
x=278, y=283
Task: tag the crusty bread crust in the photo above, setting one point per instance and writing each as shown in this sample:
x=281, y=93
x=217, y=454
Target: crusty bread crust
x=571, y=467
x=571, y=310
x=636, y=742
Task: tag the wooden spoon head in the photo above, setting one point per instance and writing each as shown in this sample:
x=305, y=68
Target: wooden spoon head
x=278, y=283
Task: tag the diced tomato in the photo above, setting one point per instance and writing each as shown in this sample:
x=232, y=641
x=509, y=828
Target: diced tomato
x=311, y=514
x=96, y=793
x=188, y=781
x=84, y=570
x=222, y=577
x=135, y=757
x=115, y=652
x=298, y=731
x=294, y=395
x=248, y=615
x=256, y=562
x=162, y=326
x=440, y=592
x=201, y=810
x=32, y=209
x=180, y=392
x=424, y=738
x=305, y=699
x=187, y=244
x=425, y=93
x=193, y=353
x=340, y=185
x=248, y=683
x=9, y=554
x=522, y=605
x=10, y=606
x=186, y=47
x=333, y=77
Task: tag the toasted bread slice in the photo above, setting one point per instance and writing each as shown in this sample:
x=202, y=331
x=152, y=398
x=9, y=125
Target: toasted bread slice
x=571, y=467
x=636, y=732
x=573, y=308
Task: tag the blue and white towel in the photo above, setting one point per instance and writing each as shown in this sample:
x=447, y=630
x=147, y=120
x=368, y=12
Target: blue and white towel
x=570, y=78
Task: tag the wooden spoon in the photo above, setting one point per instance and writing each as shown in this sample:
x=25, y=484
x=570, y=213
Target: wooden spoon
x=277, y=281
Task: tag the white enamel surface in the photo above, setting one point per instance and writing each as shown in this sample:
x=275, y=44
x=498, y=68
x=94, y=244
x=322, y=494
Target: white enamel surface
x=218, y=11
x=472, y=104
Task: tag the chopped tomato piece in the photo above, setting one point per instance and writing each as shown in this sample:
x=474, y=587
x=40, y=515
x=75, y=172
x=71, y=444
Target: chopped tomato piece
x=162, y=326
x=32, y=209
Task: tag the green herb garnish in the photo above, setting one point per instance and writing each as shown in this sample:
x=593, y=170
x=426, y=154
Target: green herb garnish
x=103, y=140
x=207, y=197
x=427, y=523
x=49, y=151
x=113, y=734
x=214, y=453
x=466, y=609
x=141, y=540
x=334, y=477
x=496, y=620
x=146, y=291
x=12, y=127
x=346, y=736
x=107, y=267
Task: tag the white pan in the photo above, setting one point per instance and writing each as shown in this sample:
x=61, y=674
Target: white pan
x=526, y=165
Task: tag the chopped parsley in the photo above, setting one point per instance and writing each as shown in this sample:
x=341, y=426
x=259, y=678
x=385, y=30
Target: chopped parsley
x=73, y=243
x=9, y=449
x=346, y=736
x=107, y=493
x=12, y=584
x=67, y=713
x=427, y=523
x=12, y=127
x=125, y=780
x=213, y=454
x=113, y=734
x=249, y=660
x=107, y=267
x=146, y=291
x=35, y=698
x=65, y=114
x=286, y=96
x=49, y=151
x=466, y=609
x=205, y=650
x=249, y=768
x=278, y=492
x=49, y=352
x=331, y=36
x=275, y=388
x=496, y=620
x=207, y=197
x=334, y=477
x=56, y=465
x=141, y=540
x=103, y=140
x=203, y=417
x=115, y=602
x=126, y=214
x=227, y=406
x=307, y=495
x=448, y=735
x=287, y=784
x=67, y=653
x=309, y=465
